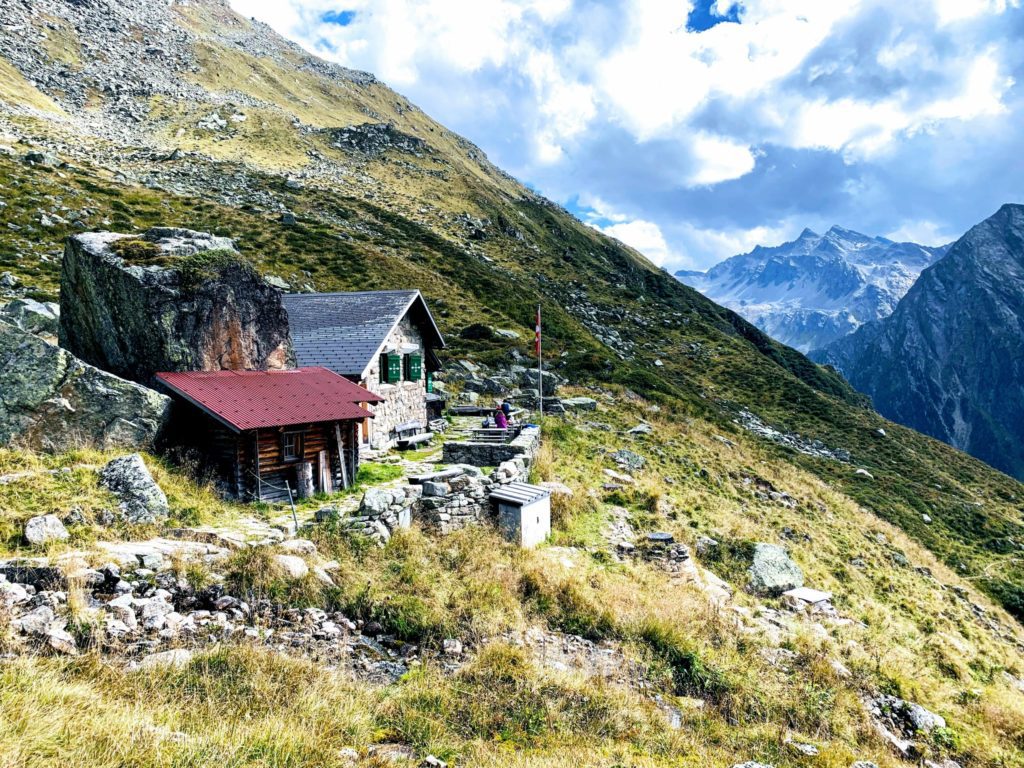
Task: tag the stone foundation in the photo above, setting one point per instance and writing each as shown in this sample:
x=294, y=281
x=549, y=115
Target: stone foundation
x=493, y=454
x=445, y=501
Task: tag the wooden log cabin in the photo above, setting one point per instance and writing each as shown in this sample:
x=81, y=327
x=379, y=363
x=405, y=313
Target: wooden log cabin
x=264, y=433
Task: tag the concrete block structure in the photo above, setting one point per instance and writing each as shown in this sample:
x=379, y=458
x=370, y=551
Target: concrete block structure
x=524, y=513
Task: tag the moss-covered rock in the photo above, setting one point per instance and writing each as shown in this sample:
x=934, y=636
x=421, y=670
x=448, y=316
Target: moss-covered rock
x=168, y=300
x=49, y=399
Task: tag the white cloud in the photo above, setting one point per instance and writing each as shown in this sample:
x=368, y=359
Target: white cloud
x=545, y=85
x=646, y=237
x=714, y=245
x=719, y=159
x=923, y=232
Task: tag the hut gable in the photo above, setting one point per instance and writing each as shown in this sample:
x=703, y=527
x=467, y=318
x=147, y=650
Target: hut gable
x=385, y=340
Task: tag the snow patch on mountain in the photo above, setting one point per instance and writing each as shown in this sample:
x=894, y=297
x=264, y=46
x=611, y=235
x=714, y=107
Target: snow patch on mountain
x=813, y=290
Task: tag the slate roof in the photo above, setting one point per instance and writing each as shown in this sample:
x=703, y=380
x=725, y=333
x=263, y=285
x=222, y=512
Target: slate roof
x=244, y=400
x=345, y=331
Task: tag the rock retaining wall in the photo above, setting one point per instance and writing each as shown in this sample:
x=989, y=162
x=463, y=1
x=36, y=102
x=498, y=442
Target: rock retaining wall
x=446, y=501
x=477, y=454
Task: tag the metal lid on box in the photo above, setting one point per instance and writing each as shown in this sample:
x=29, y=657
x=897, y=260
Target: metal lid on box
x=519, y=494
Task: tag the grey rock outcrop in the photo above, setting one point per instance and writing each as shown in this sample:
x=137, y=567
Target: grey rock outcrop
x=40, y=318
x=773, y=572
x=948, y=362
x=140, y=499
x=138, y=304
x=51, y=400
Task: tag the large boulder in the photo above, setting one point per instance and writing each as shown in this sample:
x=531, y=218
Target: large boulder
x=50, y=400
x=773, y=572
x=168, y=300
x=528, y=379
x=140, y=499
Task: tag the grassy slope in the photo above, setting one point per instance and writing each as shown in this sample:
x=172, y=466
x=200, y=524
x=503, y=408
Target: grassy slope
x=392, y=221
x=915, y=635
x=345, y=242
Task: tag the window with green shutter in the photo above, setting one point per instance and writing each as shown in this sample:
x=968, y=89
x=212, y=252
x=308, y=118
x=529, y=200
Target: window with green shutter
x=390, y=368
x=413, y=367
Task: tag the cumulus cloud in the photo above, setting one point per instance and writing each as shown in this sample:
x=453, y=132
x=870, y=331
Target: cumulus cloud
x=767, y=116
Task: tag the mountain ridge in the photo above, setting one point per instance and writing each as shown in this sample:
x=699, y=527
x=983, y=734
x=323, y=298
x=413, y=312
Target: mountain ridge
x=944, y=362
x=812, y=290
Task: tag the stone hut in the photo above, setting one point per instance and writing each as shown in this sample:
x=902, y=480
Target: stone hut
x=385, y=341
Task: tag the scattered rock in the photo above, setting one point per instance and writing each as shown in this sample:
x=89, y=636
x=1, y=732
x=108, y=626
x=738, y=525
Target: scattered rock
x=452, y=647
x=60, y=640
x=277, y=282
x=579, y=404
x=303, y=547
x=52, y=400
x=292, y=566
x=140, y=499
x=802, y=748
x=45, y=528
x=37, y=622
x=33, y=316
x=173, y=659
x=627, y=459
x=773, y=572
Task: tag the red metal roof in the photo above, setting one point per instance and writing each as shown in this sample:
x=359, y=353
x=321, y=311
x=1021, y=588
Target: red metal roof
x=252, y=399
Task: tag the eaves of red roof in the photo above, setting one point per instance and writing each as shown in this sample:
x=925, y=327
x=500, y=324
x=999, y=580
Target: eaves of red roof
x=244, y=400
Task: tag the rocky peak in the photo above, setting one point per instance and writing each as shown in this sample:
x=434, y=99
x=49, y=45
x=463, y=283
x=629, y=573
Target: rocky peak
x=947, y=360
x=817, y=288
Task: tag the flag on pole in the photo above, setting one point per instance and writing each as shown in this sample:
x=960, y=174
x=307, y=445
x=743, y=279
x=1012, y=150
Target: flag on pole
x=540, y=368
x=536, y=343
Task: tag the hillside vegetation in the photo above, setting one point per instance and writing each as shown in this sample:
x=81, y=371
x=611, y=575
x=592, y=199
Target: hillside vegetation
x=922, y=548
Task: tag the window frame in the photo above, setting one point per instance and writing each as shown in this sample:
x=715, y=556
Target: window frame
x=300, y=445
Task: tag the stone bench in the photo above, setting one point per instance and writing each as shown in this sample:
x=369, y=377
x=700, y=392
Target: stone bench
x=409, y=442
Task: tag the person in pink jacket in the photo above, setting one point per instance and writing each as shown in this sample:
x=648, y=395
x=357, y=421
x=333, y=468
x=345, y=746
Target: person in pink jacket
x=500, y=420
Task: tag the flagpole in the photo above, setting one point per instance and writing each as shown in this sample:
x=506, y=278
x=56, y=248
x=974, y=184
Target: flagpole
x=540, y=368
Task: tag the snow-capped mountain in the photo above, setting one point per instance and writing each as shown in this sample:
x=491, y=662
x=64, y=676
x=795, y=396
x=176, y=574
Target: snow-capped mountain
x=817, y=288
x=947, y=361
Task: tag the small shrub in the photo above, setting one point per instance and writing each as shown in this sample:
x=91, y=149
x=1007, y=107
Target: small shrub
x=946, y=739
x=691, y=674
x=207, y=265
x=568, y=608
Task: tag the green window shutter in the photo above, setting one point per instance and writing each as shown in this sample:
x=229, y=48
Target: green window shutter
x=394, y=368
x=415, y=368
x=430, y=382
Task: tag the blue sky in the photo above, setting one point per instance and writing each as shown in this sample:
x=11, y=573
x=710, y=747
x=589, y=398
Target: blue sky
x=696, y=130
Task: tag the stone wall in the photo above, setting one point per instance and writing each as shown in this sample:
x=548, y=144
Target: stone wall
x=446, y=501
x=403, y=402
x=493, y=454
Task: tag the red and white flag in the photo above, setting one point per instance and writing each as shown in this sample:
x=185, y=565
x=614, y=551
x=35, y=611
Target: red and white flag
x=536, y=342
